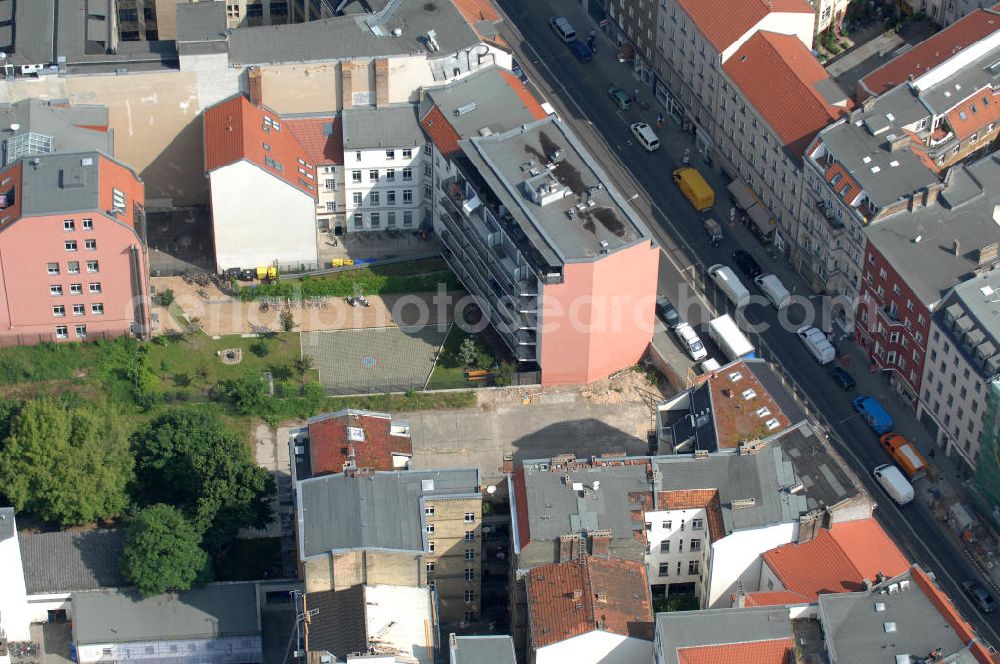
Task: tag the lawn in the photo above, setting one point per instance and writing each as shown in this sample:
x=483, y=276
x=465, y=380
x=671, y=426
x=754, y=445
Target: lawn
x=449, y=372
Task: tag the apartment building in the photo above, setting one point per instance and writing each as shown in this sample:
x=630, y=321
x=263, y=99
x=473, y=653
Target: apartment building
x=589, y=611
x=829, y=14
x=386, y=169
x=349, y=439
x=635, y=27
x=913, y=259
x=417, y=529
x=763, y=134
x=147, y=20
x=696, y=38
x=963, y=358
x=534, y=230
x=946, y=12
x=987, y=479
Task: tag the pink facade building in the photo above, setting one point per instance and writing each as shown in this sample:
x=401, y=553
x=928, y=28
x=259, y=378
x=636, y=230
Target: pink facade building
x=73, y=263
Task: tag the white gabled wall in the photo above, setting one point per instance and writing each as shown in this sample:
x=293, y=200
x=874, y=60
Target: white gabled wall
x=597, y=647
x=14, y=617
x=737, y=558
x=259, y=218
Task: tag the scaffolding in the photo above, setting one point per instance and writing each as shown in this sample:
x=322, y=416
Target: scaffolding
x=987, y=481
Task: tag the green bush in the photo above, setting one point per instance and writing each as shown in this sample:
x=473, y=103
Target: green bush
x=371, y=281
x=166, y=297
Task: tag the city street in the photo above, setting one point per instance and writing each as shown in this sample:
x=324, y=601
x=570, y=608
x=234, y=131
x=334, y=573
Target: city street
x=579, y=93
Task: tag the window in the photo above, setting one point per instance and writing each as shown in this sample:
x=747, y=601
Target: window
x=373, y=175
x=678, y=568
x=407, y=196
x=97, y=309
x=267, y=148
x=69, y=225
x=330, y=184
x=359, y=220
x=390, y=197
x=88, y=224
x=376, y=199
x=357, y=157
x=357, y=198
x=95, y=288
x=375, y=220
x=390, y=219
x=694, y=566
x=429, y=567
x=73, y=267
x=470, y=535
x=390, y=174
x=90, y=245
x=470, y=554
x=429, y=510
x=79, y=310
x=70, y=245
x=407, y=174
x=331, y=206
x=407, y=218
x=76, y=289
x=697, y=524
x=62, y=332
x=53, y=268
x=276, y=165
x=55, y=289
x=390, y=155
x=81, y=331
x=664, y=569
x=407, y=153
x=355, y=176
x=665, y=546
x=59, y=310
x=430, y=546
x=668, y=525
x=695, y=545
x=470, y=596
x=470, y=517
x=470, y=574
x=429, y=529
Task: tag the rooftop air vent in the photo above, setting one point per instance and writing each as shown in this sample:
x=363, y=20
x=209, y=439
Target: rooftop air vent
x=735, y=377
x=465, y=108
x=880, y=606
x=889, y=627
x=426, y=485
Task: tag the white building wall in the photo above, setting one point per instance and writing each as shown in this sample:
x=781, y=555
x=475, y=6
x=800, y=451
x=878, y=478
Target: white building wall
x=769, y=581
x=14, y=614
x=736, y=559
x=39, y=605
x=380, y=202
x=678, y=528
x=329, y=196
x=227, y=650
x=597, y=647
x=783, y=23
x=258, y=219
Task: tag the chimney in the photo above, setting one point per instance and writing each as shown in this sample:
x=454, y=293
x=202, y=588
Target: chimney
x=255, y=86
x=930, y=198
x=577, y=593
x=866, y=583
x=956, y=248
x=916, y=202
x=346, y=84
x=988, y=254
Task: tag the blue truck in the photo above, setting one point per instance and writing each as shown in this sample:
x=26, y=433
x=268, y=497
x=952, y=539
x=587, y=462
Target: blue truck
x=877, y=418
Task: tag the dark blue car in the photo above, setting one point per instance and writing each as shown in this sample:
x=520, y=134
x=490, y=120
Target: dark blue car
x=581, y=51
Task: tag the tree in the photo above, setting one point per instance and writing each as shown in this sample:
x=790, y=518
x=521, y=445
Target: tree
x=246, y=394
x=67, y=467
x=166, y=297
x=468, y=351
x=187, y=459
x=303, y=365
x=287, y=320
x=163, y=552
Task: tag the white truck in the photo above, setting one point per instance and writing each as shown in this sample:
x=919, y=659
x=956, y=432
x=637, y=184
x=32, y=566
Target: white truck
x=772, y=288
x=727, y=335
x=729, y=283
x=817, y=344
x=891, y=479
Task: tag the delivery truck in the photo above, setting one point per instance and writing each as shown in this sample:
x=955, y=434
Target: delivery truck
x=890, y=479
x=905, y=454
x=874, y=415
x=694, y=187
x=727, y=336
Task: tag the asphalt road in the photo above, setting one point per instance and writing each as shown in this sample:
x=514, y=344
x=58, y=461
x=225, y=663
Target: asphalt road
x=579, y=93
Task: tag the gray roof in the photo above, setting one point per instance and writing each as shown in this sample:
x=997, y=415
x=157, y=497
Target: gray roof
x=497, y=105
x=218, y=610
x=977, y=300
x=355, y=35
x=965, y=212
x=389, y=127
x=824, y=479
x=855, y=629
x=34, y=32
x=68, y=561
x=201, y=22
x=64, y=123
x=339, y=626
x=511, y=162
x=886, y=176
x=482, y=650
x=7, y=527
x=957, y=86
x=380, y=510
x=687, y=629
x=60, y=183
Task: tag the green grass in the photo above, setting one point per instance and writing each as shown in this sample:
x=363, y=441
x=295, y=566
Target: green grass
x=675, y=603
x=398, y=403
x=449, y=373
x=46, y=362
x=249, y=560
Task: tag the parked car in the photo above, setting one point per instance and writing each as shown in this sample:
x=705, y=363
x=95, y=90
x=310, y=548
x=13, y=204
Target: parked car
x=666, y=311
x=515, y=69
x=691, y=342
x=842, y=378
x=817, y=344
x=746, y=263
x=772, y=288
x=980, y=596
x=620, y=98
x=580, y=51
x=563, y=28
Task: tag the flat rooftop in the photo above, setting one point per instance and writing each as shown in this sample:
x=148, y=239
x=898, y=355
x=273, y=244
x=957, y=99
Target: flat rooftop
x=977, y=337
x=681, y=630
x=46, y=126
x=555, y=191
x=114, y=616
x=389, y=127
x=824, y=477
x=482, y=650
x=375, y=510
x=60, y=183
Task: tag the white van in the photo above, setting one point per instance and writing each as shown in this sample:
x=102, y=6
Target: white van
x=563, y=28
x=891, y=479
x=646, y=136
x=709, y=365
x=775, y=291
x=691, y=342
x=729, y=283
x=817, y=344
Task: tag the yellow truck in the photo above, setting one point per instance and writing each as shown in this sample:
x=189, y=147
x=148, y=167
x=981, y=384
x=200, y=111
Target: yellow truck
x=695, y=188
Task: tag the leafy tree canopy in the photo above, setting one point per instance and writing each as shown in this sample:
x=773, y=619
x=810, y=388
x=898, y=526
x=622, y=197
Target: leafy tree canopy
x=163, y=552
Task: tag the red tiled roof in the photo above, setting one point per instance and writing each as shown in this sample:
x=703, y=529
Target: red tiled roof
x=330, y=446
x=776, y=651
x=980, y=109
x=524, y=94
x=576, y=597
x=778, y=75
x=441, y=131
x=775, y=598
x=930, y=53
x=480, y=10
x=734, y=422
x=322, y=138
x=852, y=191
x=521, y=505
x=707, y=499
x=869, y=548
x=235, y=130
x=724, y=21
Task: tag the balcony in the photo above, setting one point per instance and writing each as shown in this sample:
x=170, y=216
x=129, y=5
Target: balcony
x=827, y=211
x=940, y=136
x=891, y=315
